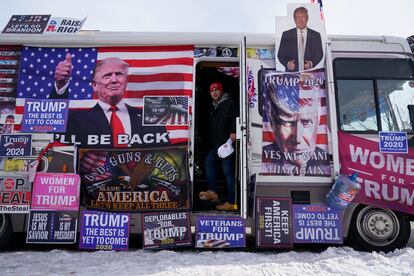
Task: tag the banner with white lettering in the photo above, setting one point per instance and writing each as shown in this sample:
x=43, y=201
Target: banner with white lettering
x=49, y=76
x=104, y=231
x=386, y=178
x=273, y=222
x=12, y=145
x=26, y=24
x=295, y=130
x=56, y=191
x=166, y=230
x=15, y=192
x=135, y=180
x=45, y=115
x=317, y=224
x=52, y=227
x=220, y=232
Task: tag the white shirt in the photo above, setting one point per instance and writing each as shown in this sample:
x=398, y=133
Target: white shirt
x=305, y=34
x=122, y=113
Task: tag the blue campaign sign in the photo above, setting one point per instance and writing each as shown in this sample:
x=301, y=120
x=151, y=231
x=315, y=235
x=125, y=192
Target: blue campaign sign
x=317, y=224
x=104, y=231
x=44, y=115
x=220, y=232
x=16, y=145
x=393, y=142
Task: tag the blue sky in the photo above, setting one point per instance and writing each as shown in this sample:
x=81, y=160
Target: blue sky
x=361, y=17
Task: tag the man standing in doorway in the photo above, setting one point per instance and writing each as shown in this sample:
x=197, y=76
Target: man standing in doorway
x=222, y=127
x=301, y=47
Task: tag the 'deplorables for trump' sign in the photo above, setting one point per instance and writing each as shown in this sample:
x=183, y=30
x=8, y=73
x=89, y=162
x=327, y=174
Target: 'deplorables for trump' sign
x=166, y=230
x=134, y=179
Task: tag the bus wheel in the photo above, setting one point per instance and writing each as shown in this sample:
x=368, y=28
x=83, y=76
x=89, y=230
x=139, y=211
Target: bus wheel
x=376, y=229
x=5, y=230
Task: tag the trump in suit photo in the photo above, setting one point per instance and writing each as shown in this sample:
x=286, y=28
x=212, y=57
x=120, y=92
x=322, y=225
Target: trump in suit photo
x=111, y=122
x=300, y=48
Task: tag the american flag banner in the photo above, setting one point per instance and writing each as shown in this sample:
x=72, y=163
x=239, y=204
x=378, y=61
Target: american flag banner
x=319, y=2
x=93, y=159
x=153, y=70
x=165, y=110
x=295, y=129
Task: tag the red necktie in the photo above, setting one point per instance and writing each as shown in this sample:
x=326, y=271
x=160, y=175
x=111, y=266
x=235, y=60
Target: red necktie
x=117, y=127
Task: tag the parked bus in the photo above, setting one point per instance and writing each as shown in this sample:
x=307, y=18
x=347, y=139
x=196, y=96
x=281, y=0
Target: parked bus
x=369, y=84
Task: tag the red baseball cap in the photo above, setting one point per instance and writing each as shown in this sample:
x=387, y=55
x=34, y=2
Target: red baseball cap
x=216, y=85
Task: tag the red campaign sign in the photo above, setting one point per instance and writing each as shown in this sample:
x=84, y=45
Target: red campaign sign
x=387, y=179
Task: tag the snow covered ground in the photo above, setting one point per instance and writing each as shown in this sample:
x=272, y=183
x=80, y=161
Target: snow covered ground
x=333, y=260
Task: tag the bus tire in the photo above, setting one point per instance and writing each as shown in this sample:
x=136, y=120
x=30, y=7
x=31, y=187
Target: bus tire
x=6, y=230
x=377, y=229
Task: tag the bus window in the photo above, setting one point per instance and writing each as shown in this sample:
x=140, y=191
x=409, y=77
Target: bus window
x=357, y=107
x=394, y=96
x=373, y=94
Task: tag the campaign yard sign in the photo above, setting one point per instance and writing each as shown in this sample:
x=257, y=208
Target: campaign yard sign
x=51, y=227
x=273, y=222
x=15, y=193
x=104, y=231
x=317, y=224
x=12, y=145
x=56, y=191
x=64, y=25
x=393, y=142
x=26, y=24
x=220, y=232
x=166, y=230
x=45, y=115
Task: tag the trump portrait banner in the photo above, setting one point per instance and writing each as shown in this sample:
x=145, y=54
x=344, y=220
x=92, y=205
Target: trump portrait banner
x=387, y=179
x=162, y=71
x=295, y=134
x=134, y=180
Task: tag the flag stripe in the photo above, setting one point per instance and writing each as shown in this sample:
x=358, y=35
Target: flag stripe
x=145, y=55
x=159, y=62
x=183, y=69
x=173, y=48
x=158, y=85
x=161, y=77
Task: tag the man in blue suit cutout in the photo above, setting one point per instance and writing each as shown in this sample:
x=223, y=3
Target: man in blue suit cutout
x=301, y=47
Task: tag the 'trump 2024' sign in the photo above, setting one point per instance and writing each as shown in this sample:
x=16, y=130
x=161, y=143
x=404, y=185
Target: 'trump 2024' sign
x=387, y=179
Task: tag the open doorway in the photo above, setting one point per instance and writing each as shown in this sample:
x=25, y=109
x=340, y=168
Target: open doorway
x=227, y=73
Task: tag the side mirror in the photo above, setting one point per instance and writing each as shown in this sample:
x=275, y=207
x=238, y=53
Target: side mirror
x=411, y=112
